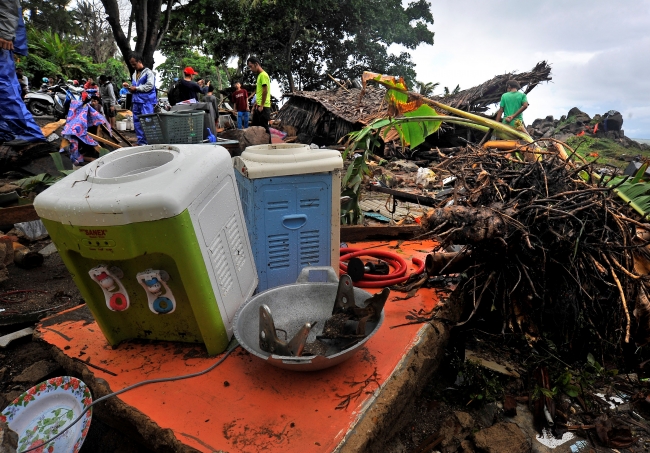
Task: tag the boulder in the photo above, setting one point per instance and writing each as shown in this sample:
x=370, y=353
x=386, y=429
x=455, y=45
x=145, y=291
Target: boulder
x=254, y=135
x=8, y=439
x=455, y=429
x=502, y=438
x=549, y=118
x=579, y=115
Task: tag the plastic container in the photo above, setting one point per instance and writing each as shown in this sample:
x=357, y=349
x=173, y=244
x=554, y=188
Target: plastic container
x=290, y=196
x=183, y=127
x=120, y=125
x=155, y=239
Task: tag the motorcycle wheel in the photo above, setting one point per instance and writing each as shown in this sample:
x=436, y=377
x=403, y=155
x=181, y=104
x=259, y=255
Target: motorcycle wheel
x=38, y=108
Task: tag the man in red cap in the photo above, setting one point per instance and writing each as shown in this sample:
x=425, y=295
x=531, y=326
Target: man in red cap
x=189, y=89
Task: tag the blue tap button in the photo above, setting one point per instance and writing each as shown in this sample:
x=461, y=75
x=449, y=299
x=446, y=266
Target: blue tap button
x=163, y=305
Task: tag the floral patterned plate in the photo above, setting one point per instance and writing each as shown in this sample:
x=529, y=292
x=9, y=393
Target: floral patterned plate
x=45, y=409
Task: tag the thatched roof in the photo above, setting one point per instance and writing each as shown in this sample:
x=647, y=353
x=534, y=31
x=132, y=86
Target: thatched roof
x=333, y=113
x=480, y=98
x=346, y=103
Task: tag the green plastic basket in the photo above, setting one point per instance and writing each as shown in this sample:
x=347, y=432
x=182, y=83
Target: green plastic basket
x=152, y=128
x=174, y=127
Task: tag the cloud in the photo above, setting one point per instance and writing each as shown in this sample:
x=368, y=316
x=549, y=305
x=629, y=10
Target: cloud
x=599, y=51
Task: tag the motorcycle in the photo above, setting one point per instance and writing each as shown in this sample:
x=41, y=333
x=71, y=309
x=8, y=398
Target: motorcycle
x=40, y=102
x=162, y=106
x=52, y=100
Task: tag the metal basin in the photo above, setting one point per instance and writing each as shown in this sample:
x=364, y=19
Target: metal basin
x=292, y=306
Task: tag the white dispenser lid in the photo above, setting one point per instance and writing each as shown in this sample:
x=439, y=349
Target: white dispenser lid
x=138, y=184
x=265, y=161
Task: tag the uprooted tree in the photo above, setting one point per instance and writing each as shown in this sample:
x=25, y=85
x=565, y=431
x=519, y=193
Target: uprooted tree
x=549, y=248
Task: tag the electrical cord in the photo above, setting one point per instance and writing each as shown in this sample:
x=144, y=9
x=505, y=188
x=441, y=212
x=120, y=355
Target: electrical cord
x=131, y=387
x=380, y=281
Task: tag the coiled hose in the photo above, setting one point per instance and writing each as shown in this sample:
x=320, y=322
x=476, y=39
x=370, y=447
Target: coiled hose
x=395, y=261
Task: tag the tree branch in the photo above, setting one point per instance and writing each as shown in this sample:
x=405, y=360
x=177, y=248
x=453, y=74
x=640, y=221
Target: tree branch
x=163, y=29
x=113, y=12
x=140, y=23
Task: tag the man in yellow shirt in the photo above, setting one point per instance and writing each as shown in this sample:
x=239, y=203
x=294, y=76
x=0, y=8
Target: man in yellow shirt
x=262, y=109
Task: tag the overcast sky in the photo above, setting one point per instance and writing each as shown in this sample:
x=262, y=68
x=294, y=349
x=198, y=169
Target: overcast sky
x=599, y=52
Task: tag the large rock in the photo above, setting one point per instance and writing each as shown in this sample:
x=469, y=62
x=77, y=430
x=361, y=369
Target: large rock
x=37, y=372
x=254, y=135
x=579, y=115
x=456, y=428
x=8, y=439
x=502, y=438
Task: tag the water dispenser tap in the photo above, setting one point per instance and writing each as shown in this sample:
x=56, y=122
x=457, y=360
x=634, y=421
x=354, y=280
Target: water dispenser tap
x=160, y=297
x=109, y=280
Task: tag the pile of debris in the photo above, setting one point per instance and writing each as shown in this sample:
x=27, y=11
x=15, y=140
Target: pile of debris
x=544, y=251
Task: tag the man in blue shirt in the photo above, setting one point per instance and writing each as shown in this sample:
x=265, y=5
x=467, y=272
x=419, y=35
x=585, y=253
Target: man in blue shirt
x=16, y=123
x=143, y=87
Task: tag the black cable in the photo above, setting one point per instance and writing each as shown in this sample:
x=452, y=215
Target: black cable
x=131, y=387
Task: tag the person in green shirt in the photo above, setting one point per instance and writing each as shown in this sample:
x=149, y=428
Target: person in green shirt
x=262, y=108
x=513, y=103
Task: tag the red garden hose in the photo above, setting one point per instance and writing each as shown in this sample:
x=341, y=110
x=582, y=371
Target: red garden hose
x=381, y=281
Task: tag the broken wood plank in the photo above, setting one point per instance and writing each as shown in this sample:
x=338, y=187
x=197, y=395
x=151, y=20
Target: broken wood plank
x=419, y=199
x=52, y=127
x=18, y=214
x=119, y=134
x=355, y=233
x=105, y=133
x=104, y=141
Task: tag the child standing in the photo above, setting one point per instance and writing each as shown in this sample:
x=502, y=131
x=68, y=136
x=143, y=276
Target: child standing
x=240, y=101
x=513, y=103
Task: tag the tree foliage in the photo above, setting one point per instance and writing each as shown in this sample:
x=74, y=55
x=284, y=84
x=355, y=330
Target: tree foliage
x=95, y=36
x=204, y=66
x=426, y=89
x=449, y=92
x=60, y=52
x=300, y=41
x=53, y=15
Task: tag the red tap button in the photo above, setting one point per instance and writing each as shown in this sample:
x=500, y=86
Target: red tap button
x=118, y=302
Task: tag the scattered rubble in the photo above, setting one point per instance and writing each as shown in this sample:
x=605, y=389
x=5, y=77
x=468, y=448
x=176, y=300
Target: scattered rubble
x=502, y=438
x=8, y=439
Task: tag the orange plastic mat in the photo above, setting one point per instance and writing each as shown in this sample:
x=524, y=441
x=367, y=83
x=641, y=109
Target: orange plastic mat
x=245, y=405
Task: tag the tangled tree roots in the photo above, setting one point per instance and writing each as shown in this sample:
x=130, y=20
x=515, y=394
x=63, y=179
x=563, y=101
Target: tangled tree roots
x=550, y=252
